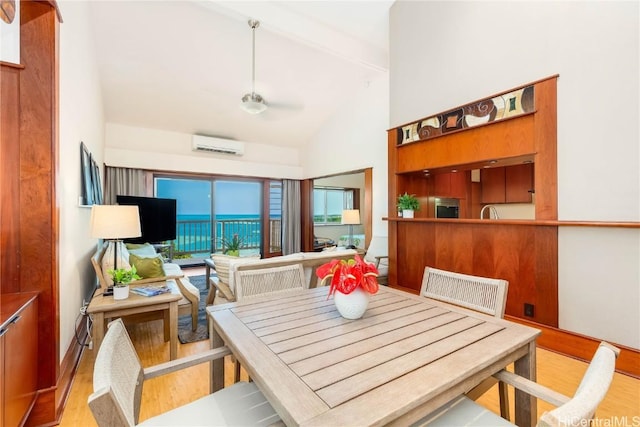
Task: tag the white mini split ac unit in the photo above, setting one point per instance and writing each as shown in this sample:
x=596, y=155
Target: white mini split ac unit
x=217, y=145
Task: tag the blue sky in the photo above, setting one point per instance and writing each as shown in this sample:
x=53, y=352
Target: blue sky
x=194, y=196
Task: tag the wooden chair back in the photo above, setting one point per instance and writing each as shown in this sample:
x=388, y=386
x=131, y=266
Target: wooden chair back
x=477, y=293
x=269, y=281
x=117, y=380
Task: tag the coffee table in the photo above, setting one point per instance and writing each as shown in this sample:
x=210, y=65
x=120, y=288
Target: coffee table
x=105, y=307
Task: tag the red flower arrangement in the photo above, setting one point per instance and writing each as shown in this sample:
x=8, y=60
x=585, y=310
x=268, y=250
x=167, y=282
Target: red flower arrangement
x=347, y=275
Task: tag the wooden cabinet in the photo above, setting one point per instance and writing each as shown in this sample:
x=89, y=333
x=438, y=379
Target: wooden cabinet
x=493, y=185
x=452, y=185
x=19, y=359
x=519, y=183
x=511, y=184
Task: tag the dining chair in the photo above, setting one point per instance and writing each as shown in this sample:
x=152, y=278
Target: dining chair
x=576, y=411
x=482, y=294
x=118, y=378
x=269, y=281
x=378, y=254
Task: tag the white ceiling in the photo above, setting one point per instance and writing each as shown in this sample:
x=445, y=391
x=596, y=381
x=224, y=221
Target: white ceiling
x=184, y=65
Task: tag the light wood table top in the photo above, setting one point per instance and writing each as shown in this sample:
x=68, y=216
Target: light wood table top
x=103, y=308
x=406, y=357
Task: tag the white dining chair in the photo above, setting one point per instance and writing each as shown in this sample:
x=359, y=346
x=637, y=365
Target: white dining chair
x=269, y=281
x=577, y=411
x=483, y=294
x=118, y=378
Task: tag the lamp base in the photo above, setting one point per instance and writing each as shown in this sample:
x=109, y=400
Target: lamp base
x=108, y=292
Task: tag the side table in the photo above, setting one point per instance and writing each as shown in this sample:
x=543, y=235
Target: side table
x=105, y=307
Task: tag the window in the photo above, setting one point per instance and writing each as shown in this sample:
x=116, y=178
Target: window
x=328, y=204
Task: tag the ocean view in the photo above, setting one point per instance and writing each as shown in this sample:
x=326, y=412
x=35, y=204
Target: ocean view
x=194, y=232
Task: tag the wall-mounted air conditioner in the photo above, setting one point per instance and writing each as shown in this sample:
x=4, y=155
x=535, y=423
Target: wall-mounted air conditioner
x=217, y=145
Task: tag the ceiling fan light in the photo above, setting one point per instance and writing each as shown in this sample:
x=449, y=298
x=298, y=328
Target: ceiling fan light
x=253, y=103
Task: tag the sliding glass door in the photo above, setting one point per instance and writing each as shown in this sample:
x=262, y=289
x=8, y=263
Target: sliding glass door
x=212, y=211
x=238, y=215
x=193, y=216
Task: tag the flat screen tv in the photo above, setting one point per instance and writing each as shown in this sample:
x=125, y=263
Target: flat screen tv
x=157, y=218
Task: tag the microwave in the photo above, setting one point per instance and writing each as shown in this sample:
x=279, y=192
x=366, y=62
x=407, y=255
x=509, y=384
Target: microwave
x=447, y=208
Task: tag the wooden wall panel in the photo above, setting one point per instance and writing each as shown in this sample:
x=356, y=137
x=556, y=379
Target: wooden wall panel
x=38, y=167
x=453, y=248
x=546, y=268
x=521, y=254
x=545, y=139
x=9, y=179
x=509, y=138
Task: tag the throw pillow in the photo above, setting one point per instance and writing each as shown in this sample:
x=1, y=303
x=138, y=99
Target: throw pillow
x=136, y=245
x=144, y=251
x=147, y=266
x=222, y=262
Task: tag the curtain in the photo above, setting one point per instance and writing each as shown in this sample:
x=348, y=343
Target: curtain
x=291, y=227
x=125, y=182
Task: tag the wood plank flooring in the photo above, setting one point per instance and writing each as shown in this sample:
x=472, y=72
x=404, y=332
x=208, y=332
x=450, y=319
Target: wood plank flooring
x=621, y=407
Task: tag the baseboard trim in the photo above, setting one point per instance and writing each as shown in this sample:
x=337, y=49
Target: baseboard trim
x=50, y=403
x=582, y=347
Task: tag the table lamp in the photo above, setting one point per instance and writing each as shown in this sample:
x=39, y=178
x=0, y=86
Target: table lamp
x=113, y=223
x=351, y=217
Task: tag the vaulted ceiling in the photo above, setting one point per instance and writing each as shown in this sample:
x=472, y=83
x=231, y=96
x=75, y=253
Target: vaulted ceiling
x=184, y=65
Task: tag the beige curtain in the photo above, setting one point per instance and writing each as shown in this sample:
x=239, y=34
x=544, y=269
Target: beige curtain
x=126, y=182
x=291, y=227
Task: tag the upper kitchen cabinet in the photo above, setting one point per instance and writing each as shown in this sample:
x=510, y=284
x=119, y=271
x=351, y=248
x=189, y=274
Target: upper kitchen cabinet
x=511, y=184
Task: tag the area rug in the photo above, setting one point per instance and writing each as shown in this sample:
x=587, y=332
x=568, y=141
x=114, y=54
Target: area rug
x=185, y=334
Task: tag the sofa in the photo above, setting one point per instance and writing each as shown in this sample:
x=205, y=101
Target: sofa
x=223, y=287
x=152, y=268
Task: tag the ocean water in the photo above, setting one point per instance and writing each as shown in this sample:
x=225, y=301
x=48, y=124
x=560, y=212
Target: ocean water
x=194, y=232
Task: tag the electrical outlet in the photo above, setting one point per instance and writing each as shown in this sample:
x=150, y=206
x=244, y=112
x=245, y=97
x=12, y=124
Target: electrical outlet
x=528, y=309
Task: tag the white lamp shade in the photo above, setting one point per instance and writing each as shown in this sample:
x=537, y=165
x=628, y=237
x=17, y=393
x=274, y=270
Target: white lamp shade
x=351, y=216
x=115, y=221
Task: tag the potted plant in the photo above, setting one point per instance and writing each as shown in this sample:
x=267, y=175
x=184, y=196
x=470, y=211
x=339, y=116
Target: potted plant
x=408, y=203
x=231, y=246
x=121, y=279
x=352, y=283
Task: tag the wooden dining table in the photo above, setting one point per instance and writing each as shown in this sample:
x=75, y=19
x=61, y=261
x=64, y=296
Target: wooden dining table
x=404, y=358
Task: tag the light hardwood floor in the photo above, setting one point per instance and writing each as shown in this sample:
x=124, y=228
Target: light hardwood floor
x=620, y=408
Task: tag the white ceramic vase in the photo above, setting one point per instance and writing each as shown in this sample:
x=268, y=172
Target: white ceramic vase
x=407, y=213
x=353, y=305
x=120, y=292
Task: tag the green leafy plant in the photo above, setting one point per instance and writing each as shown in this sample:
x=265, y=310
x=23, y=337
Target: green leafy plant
x=408, y=202
x=122, y=276
x=232, y=245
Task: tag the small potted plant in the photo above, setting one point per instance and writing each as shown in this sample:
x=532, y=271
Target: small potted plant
x=231, y=246
x=121, y=279
x=352, y=283
x=408, y=203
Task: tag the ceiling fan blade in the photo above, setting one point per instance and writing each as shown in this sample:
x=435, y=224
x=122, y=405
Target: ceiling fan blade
x=286, y=106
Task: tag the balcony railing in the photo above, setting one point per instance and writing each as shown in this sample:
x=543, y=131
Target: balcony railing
x=195, y=236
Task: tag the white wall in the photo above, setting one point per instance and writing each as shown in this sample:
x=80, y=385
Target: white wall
x=80, y=120
x=471, y=50
x=355, y=138
x=154, y=149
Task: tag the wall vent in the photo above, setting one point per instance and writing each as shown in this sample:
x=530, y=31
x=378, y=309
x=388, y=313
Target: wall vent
x=217, y=145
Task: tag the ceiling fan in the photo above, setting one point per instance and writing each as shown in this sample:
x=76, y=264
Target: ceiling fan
x=252, y=102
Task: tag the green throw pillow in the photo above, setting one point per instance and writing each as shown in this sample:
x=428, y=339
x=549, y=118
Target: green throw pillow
x=147, y=267
x=136, y=245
